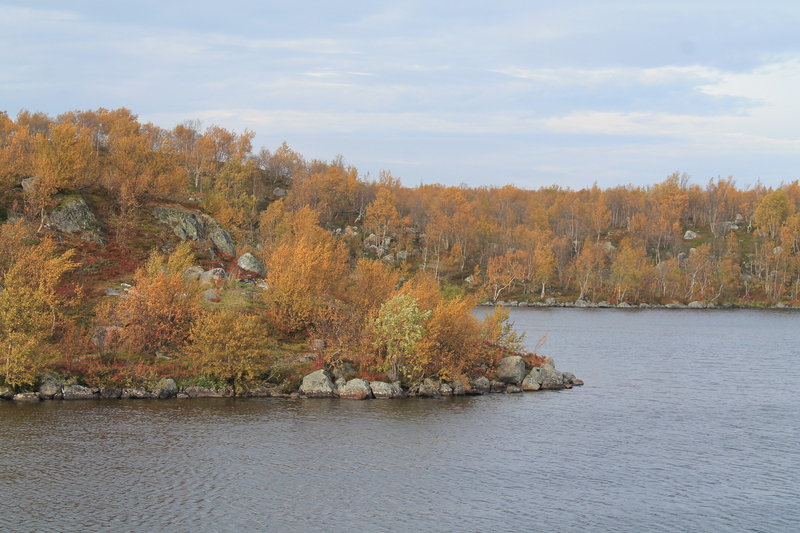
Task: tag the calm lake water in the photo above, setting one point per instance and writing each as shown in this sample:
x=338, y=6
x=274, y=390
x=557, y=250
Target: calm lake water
x=689, y=421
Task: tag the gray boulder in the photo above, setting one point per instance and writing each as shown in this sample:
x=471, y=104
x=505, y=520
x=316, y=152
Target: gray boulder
x=26, y=397
x=195, y=391
x=571, y=379
x=445, y=389
x=531, y=381
x=166, y=388
x=695, y=305
x=318, y=385
x=480, y=385
x=459, y=389
x=50, y=387
x=78, y=392
x=191, y=226
x=107, y=393
x=386, y=391
x=510, y=370
x=6, y=393
x=215, y=276
x=137, y=393
x=550, y=378
x=251, y=263
x=211, y=295
x=689, y=235
x=72, y=215
x=279, y=192
x=356, y=389
x=429, y=388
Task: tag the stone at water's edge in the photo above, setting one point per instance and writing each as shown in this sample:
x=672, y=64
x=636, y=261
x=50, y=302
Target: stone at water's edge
x=531, y=382
x=480, y=385
x=26, y=397
x=6, y=393
x=511, y=370
x=429, y=388
x=78, y=392
x=355, y=389
x=318, y=385
x=383, y=390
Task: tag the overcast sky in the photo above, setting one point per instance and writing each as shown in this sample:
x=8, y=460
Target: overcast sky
x=485, y=93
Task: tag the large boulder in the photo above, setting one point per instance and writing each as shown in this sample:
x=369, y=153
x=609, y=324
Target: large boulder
x=215, y=276
x=429, y=388
x=50, y=387
x=511, y=370
x=480, y=385
x=250, y=263
x=191, y=226
x=318, y=385
x=78, y=392
x=166, y=388
x=72, y=215
x=531, y=381
x=548, y=378
x=689, y=235
x=386, y=391
x=355, y=389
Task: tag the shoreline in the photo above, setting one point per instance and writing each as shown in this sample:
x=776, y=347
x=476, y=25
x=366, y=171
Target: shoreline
x=510, y=377
x=584, y=304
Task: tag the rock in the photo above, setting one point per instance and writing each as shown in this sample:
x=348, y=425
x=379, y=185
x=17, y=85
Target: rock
x=166, y=388
x=512, y=389
x=26, y=397
x=480, y=385
x=689, y=235
x=497, y=386
x=389, y=258
x=445, y=389
x=429, y=388
x=110, y=393
x=251, y=263
x=78, y=392
x=211, y=295
x=215, y=276
x=356, y=389
x=695, y=305
x=550, y=378
x=6, y=392
x=29, y=183
x=112, y=292
x=50, y=387
x=189, y=225
x=104, y=336
x=531, y=381
x=386, y=391
x=280, y=193
x=571, y=379
x=72, y=215
x=510, y=370
x=196, y=391
x=137, y=393
x=459, y=389
x=193, y=273
x=317, y=385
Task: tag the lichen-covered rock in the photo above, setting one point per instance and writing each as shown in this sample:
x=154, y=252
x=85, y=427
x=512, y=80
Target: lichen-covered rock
x=215, y=276
x=386, y=391
x=355, y=389
x=50, y=387
x=72, y=215
x=26, y=397
x=445, y=389
x=429, y=388
x=510, y=370
x=188, y=225
x=459, y=389
x=110, y=393
x=531, y=381
x=251, y=263
x=480, y=385
x=318, y=385
x=78, y=392
x=166, y=388
x=196, y=391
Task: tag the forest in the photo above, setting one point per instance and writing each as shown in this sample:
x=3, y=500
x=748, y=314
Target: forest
x=360, y=272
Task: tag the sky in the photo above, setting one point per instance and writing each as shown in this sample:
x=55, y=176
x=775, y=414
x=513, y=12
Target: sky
x=528, y=93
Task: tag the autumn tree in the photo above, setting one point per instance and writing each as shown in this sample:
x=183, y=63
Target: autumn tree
x=629, y=270
x=228, y=345
x=772, y=210
x=397, y=329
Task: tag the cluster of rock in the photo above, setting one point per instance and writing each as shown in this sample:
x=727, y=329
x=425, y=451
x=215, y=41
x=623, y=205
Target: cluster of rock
x=196, y=226
x=510, y=377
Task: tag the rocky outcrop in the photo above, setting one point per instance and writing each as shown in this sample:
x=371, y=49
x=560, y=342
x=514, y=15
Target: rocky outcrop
x=192, y=226
x=250, y=263
x=318, y=385
x=72, y=215
x=386, y=391
x=510, y=370
x=548, y=378
x=355, y=389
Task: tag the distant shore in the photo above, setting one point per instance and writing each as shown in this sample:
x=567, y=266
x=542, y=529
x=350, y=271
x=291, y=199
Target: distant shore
x=585, y=304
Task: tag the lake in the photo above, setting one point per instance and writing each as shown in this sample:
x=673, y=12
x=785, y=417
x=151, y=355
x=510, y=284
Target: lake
x=689, y=421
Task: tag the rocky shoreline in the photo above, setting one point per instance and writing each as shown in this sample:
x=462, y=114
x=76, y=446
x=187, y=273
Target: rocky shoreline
x=511, y=376
x=586, y=304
